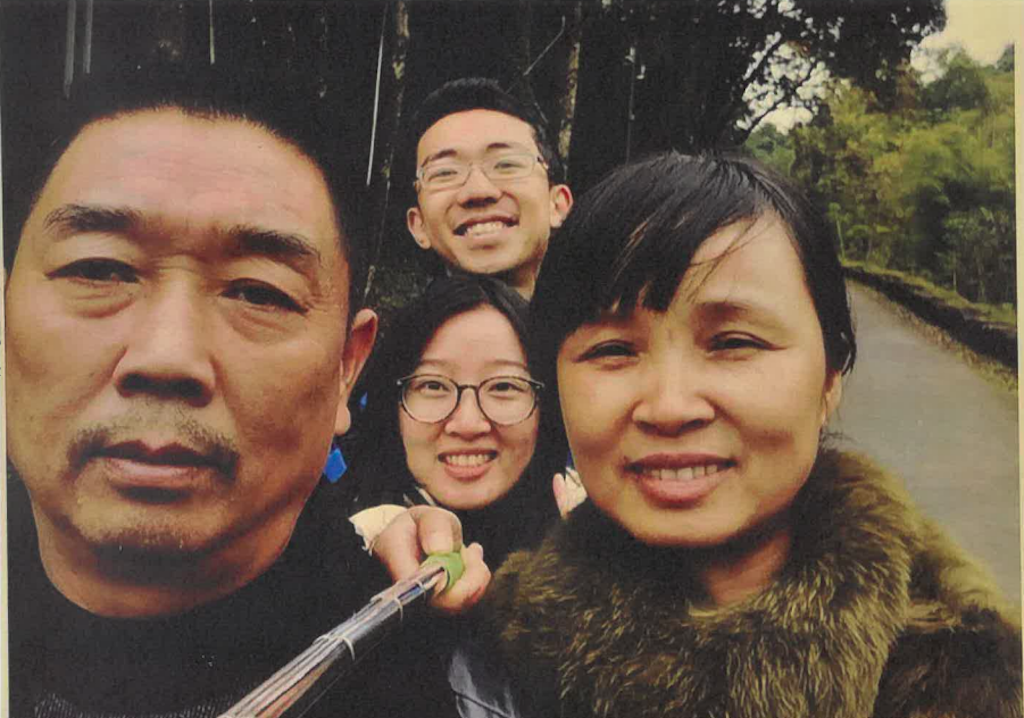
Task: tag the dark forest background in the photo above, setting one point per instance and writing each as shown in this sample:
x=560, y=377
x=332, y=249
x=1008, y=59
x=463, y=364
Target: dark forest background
x=615, y=79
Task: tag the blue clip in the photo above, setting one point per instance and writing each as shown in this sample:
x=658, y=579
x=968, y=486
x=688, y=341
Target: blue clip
x=335, y=466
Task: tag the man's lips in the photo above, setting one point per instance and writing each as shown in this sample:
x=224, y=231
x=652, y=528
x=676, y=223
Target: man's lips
x=166, y=455
x=162, y=473
x=482, y=226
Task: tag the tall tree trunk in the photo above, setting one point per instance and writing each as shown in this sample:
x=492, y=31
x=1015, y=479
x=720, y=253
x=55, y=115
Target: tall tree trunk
x=567, y=104
x=522, y=58
x=390, y=124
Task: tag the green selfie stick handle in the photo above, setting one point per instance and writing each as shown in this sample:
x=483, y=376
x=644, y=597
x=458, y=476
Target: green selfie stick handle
x=452, y=564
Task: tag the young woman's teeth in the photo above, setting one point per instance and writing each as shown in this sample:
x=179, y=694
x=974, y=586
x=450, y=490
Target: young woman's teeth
x=684, y=474
x=467, y=459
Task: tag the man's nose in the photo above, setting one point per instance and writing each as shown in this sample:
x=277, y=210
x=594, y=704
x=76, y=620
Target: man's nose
x=168, y=353
x=673, y=397
x=467, y=419
x=478, y=187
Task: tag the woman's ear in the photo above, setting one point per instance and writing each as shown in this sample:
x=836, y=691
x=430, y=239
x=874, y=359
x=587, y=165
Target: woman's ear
x=833, y=393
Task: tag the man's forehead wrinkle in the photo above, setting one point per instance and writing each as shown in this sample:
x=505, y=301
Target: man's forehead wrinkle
x=80, y=218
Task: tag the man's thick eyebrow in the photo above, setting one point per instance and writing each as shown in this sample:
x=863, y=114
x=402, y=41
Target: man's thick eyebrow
x=292, y=249
x=72, y=219
x=452, y=152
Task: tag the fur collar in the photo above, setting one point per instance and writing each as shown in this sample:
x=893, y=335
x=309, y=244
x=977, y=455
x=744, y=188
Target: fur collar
x=628, y=633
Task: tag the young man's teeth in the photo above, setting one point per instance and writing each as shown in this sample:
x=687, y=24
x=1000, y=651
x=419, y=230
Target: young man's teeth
x=685, y=474
x=467, y=459
x=484, y=228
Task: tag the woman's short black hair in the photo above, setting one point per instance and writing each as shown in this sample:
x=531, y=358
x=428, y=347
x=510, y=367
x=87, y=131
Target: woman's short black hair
x=632, y=237
x=377, y=449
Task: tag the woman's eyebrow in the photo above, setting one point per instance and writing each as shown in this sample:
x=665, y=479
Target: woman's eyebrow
x=446, y=364
x=737, y=308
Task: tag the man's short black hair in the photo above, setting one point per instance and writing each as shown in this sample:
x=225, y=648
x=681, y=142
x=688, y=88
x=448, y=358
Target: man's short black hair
x=285, y=106
x=479, y=93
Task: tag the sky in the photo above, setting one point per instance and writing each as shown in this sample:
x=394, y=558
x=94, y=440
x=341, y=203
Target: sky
x=982, y=27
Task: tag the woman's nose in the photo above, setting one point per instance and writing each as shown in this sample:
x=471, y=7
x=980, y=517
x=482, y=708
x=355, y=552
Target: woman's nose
x=674, y=397
x=468, y=419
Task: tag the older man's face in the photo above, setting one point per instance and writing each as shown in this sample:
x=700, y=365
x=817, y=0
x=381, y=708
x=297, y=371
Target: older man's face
x=176, y=340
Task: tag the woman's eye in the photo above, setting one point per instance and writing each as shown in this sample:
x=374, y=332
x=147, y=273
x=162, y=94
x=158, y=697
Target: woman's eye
x=507, y=387
x=263, y=295
x=726, y=342
x=609, y=350
x=98, y=270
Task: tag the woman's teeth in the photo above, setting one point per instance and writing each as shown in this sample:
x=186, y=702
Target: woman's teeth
x=687, y=473
x=466, y=459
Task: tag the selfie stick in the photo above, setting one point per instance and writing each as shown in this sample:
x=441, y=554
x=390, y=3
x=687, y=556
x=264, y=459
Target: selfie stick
x=294, y=688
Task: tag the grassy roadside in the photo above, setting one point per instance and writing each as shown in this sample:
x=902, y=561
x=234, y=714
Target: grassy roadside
x=995, y=313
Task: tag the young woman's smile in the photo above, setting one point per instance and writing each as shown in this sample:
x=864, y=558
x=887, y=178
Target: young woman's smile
x=466, y=461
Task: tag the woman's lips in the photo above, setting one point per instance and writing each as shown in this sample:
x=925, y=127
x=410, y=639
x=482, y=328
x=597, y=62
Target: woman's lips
x=678, y=481
x=468, y=465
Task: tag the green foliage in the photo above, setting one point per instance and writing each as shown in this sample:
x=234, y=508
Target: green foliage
x=927, y=186
x=770, y=146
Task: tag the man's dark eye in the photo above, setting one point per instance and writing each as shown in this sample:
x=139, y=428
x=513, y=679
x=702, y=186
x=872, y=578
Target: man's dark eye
x=98, y=270
x=263, y=295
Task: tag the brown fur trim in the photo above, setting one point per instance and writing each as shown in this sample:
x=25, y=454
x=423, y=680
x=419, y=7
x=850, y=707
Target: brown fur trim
x=871, y=597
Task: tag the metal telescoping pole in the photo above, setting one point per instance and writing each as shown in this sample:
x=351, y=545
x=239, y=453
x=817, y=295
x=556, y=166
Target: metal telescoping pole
x=294, y=688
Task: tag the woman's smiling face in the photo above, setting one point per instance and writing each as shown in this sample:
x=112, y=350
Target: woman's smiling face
x=694, y=426
x=466, y=461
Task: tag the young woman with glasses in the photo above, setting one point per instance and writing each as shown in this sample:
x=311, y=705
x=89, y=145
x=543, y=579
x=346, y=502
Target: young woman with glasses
x=454, y=418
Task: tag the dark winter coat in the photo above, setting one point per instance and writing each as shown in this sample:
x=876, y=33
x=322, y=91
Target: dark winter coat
x=875, y=613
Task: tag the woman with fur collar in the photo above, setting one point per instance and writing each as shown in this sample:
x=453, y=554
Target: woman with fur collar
x=692, y=317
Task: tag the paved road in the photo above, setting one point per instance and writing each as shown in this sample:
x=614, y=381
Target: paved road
x=922, y=412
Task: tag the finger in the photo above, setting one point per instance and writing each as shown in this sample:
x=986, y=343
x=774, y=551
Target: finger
x=397, y=547
x=469, y=589
x=439, y=530
x=560, y=490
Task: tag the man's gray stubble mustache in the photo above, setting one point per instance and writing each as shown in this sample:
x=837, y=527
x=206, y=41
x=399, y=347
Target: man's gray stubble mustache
x=215, y=447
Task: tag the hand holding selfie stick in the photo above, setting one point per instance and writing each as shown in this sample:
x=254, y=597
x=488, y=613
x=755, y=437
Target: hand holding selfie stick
x=294, y=688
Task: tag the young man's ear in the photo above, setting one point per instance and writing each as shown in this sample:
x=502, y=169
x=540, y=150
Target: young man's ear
x=561, y=203
x=833, y=393
x=418, y=230
x=358, y=345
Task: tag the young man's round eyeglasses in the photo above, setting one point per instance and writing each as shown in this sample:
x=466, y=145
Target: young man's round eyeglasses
x=449, y=173
x=503, y=400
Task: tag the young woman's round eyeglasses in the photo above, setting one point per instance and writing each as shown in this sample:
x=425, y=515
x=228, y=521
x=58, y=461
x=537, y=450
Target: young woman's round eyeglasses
x=503, y=400
x=449, y=173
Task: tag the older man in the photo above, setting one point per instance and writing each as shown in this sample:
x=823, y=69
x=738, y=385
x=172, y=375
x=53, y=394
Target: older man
x=181, y=345
x=487, y=183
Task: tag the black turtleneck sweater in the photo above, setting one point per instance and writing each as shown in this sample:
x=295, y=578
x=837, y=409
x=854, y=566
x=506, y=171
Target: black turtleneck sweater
x=66, y=662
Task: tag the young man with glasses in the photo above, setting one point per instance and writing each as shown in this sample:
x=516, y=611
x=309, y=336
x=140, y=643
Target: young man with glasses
x=486, y=181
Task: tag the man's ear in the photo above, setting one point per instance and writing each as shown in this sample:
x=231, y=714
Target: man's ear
x=418, y=230
x=833, y=393
x=561, y=203
x=358, y=345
